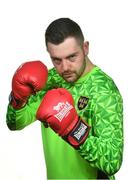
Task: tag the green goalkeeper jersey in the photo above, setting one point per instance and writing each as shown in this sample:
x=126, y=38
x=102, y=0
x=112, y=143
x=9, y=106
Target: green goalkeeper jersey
x=99, y=103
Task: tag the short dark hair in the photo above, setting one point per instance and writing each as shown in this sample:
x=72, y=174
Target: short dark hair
x=62, y=28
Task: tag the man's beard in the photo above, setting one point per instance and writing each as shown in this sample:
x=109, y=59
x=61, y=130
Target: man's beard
x=70, y=76
x=73, y=76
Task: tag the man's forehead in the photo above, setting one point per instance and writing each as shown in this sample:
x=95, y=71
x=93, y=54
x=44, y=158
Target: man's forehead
x=66, y=48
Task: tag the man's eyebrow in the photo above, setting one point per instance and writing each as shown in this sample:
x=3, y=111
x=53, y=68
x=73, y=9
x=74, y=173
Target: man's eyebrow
x=58, y=58
x=54, y=57
x=70, y=55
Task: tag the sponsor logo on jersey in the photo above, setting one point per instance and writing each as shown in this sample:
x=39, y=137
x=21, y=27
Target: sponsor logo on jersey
x=82, y=102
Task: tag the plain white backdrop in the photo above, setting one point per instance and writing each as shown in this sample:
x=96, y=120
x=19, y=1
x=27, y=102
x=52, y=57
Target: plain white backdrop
x=22, y=27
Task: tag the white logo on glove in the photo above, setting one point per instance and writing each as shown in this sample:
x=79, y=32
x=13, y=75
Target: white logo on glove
x=63, y=109
x=59, y=106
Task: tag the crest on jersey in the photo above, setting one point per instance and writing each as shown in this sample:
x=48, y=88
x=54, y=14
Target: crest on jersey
x=82, y=102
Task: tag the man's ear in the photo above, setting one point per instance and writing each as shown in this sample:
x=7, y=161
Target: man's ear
x=86, y=47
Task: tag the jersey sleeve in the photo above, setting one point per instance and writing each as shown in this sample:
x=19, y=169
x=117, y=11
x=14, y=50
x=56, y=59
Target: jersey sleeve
x=103, y=148
x=19, y=119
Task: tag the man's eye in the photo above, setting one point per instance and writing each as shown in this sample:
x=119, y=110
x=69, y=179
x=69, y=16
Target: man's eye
x=56, y=61
x=72, y=58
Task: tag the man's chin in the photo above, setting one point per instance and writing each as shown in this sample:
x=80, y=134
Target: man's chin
x=69, y=79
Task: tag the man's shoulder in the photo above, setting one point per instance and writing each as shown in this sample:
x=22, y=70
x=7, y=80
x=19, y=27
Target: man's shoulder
x=54, y=79
x=102, y=82
x=52, y=71
x=52, y=74
x=99, y=75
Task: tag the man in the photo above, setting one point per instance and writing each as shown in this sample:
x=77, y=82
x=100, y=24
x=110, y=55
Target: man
x=91, y=146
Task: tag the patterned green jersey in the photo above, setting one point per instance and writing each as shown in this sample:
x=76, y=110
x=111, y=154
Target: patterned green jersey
x=99, y=103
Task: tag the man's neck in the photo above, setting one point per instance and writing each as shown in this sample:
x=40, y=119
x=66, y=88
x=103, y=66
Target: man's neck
x=89, y=66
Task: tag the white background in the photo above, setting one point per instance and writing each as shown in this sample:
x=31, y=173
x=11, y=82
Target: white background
x=105, y=25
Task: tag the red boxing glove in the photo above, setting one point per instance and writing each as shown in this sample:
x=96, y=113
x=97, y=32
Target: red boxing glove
x=29, y=78
x=57, y=109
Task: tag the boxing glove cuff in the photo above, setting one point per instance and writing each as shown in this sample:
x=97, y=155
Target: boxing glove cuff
x=16, y=103
x=78, y=134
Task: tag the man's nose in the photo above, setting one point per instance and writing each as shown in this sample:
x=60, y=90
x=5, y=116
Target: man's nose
x=65, y=65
